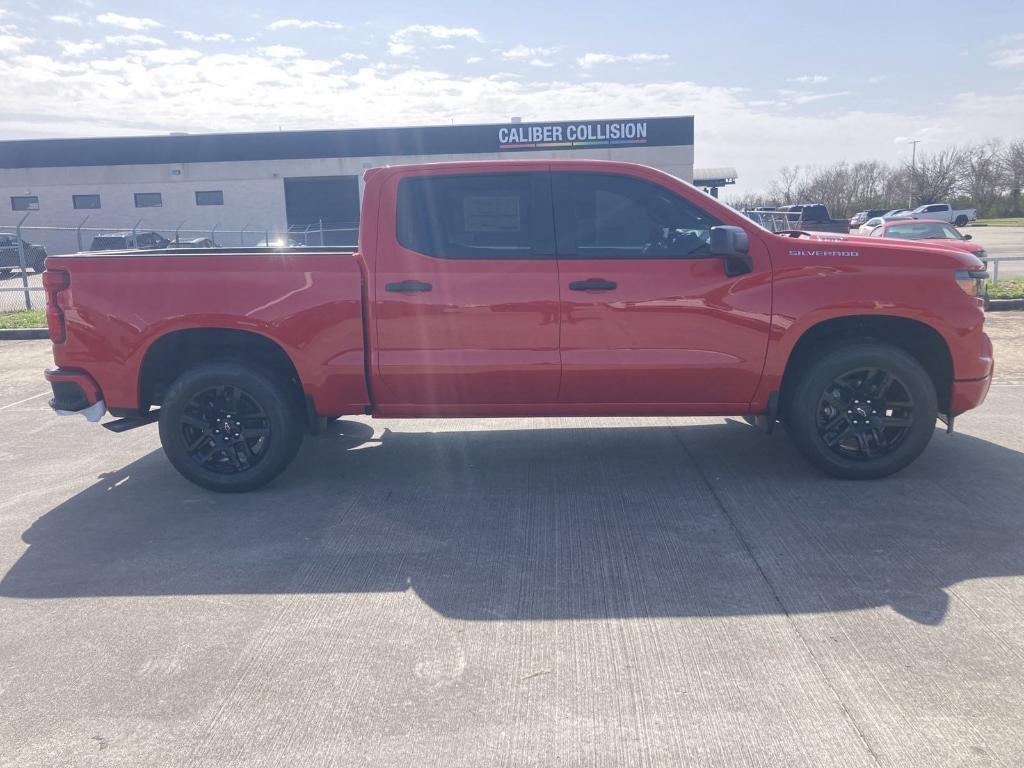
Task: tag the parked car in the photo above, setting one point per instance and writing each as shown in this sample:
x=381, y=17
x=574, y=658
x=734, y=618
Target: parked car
x=861, y=216
x=930, y=230
x=944, y=211
x=125, y=241
x=814, y=217
x=899, y=214
x=10, y=259
x=198, y=242
x=465, y=299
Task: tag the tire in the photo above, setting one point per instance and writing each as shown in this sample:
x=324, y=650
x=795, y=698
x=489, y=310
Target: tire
x=206, y=404
x=961, y=221
x=5, y=273
x=39, y=266
x=888, y=434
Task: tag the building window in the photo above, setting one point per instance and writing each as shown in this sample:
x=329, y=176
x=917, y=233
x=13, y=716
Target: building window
x=148, y=200
x=85, y=201
x=215, y=197
x=25, y=203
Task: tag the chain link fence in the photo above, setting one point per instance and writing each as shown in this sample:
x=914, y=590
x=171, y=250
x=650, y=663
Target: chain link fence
x=25, y=243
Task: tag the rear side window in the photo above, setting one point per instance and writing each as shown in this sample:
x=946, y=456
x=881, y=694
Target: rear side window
x=478, y=216
x=608, y=216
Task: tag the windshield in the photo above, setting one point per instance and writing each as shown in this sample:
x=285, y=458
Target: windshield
x=923, y=231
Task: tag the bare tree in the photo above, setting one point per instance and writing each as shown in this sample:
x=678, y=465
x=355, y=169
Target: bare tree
x=984, y=174
x=1013, y=167
x=937, y=176
x=784, y=187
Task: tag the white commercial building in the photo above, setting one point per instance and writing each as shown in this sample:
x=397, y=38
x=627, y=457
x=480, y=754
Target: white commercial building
x=240, y=188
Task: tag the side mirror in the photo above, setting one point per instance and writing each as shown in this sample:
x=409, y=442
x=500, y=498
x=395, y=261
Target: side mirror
x=732, y=246
x=968, y=237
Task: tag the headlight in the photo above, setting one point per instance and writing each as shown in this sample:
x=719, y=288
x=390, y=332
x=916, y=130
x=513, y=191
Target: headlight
x=972, y=282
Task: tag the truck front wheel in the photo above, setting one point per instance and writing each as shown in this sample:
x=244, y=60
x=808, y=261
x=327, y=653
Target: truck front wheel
x=228, y=427
x=961, y=221
x=862, y=411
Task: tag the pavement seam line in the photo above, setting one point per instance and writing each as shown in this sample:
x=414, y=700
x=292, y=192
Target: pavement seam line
x=777, y=598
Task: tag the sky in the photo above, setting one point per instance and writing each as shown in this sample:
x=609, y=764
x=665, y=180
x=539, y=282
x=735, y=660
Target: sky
x=769, y=84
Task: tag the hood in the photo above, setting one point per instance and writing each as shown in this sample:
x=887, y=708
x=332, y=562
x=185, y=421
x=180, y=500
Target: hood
x=960, y=251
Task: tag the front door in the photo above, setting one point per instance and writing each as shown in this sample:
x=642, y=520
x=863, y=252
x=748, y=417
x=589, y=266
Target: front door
x=648, y=316
x=466, y=293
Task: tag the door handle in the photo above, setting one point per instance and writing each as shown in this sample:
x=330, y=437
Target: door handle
x=408, y=286
x=593, y=285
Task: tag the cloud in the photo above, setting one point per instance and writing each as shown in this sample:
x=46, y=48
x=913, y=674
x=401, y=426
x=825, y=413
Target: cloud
x=525, y=52
x=133, y=40
x=13, y=43
x=166, y=55
x=280, y=52
x=74, y=20
x=68, y=48
x=1008, y=58
x=186, y=91
x=127, y=22
x=194, y=37
x=809, y=79
x=588, y=60
x=541, y=63
x=347, y=56
x=399, y=45
x=300, y=24
x=474, y=60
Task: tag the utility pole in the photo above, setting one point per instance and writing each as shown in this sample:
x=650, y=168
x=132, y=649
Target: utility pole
x=913, y=171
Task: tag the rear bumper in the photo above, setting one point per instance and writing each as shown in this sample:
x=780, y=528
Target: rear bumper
x=75, y=392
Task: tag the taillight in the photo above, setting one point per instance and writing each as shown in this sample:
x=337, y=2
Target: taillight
x=55, y=281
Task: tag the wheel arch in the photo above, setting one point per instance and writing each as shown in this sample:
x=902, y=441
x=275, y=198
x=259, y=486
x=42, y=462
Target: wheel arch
x=174, y=352
x=920, y=340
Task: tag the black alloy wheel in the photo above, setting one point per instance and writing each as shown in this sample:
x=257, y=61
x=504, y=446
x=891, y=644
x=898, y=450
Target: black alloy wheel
x=231, y=427
x=865, y=413
x=225, y=430
x=862, y=410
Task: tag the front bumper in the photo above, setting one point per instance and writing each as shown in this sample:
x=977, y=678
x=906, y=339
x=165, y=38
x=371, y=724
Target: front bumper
x=75, y=392
x=968, y=394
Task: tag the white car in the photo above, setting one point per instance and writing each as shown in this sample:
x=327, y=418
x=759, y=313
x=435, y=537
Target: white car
x=870, y=224
x=945, y=212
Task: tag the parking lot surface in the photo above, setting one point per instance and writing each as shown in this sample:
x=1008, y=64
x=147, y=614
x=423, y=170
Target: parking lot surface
x=642, y=591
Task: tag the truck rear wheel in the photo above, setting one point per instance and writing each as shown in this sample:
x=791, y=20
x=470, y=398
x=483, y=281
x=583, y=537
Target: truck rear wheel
x=229, y=427
x=863, y=411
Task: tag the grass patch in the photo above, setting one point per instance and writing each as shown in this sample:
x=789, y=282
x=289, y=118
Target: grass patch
x=1006, y=289
x=26, y=318
x=1017, y=222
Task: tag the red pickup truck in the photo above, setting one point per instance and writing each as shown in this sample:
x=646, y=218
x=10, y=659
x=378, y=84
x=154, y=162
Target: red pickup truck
x=524, y=288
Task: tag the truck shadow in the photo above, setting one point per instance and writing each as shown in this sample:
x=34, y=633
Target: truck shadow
x=570, y=523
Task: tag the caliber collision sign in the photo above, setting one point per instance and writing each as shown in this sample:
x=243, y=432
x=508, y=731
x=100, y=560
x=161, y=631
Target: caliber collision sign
x=566, y=135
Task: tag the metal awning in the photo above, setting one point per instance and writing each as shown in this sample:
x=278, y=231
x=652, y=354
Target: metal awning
x=714, y=177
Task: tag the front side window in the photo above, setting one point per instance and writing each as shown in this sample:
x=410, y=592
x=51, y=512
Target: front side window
x=608, y=216
x=478, y=216
x=85, y=201
x=148, y=200
x=25, y=203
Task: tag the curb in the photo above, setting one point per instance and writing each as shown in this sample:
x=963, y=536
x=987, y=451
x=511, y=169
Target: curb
x=14, y=334
x=996, y=305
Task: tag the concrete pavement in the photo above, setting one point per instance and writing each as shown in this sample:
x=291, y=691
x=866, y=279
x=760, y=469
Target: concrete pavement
x=511, y=592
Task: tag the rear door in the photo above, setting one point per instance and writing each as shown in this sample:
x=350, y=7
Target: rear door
x=466, y=292
x=648, y=316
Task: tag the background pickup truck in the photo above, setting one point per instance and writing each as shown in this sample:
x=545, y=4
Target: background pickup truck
x=524, y=288
x=945, y=212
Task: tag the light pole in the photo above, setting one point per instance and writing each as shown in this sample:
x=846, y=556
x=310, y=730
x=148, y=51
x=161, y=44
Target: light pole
x=913, y=171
